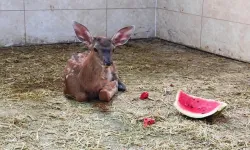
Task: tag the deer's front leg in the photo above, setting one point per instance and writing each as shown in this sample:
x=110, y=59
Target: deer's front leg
x=121, y=86
x=108, y=91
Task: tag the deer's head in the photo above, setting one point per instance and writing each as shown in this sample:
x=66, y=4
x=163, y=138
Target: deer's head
x=103, y=46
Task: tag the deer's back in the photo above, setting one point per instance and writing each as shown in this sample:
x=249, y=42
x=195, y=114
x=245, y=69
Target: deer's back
x=75, y=63
x=91, y=79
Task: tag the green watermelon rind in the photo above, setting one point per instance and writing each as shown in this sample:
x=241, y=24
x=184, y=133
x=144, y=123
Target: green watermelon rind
x=198, y=115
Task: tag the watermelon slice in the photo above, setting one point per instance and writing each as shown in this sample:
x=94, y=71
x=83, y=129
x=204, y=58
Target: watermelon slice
x=197, y=107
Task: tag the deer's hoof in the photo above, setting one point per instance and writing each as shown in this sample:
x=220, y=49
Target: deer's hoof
x=121, y=87
x=104, y=95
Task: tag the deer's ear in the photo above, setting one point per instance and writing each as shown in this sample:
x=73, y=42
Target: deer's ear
x=83, y=33
x=123, y=35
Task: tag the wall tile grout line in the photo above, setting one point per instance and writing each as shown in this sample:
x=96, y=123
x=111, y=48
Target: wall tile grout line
x=137, y=8
x=134, y=8
x=79, y=9
x=227, y=21
x=106, y=18
x=63, y=9
x=156, y=5
x=179, y=12
x=11, y=10
x=207, y=17
x=25, y=31
x=201, y=22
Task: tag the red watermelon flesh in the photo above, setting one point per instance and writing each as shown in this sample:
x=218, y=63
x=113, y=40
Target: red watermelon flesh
x=197, y=107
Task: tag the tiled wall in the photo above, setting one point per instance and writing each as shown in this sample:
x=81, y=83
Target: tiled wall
x=12, y=29
x=50, y=21
x=141, y=13
x=218, y=26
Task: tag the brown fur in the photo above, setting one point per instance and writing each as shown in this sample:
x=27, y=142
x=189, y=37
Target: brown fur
x=85, y=77
x=92, y=74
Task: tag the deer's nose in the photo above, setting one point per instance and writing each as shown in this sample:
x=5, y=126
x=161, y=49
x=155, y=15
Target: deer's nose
x=109, y=63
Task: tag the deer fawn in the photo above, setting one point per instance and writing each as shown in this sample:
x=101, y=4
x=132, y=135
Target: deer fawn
x=92, y=74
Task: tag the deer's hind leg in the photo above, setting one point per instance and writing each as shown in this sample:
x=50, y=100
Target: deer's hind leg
x=72, y=89
x=108, y=91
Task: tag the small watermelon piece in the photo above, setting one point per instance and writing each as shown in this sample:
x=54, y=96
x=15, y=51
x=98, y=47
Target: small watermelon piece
x=148, y=121
x=144, y=95
x=197, y=107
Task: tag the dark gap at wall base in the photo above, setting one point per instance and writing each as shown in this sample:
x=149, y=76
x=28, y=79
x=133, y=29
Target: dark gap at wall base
x=201, y=50
x=138, y=39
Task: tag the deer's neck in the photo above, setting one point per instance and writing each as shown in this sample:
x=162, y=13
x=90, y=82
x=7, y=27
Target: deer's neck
x=92, y=68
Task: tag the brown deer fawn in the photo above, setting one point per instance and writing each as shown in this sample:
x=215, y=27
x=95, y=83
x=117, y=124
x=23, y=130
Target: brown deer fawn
x=92, y=74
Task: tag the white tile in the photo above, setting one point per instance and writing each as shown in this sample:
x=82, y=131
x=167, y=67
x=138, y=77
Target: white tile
x=143, y=19
x=231, y=10
x=186, y=6
x=56, y=26
x=179, y=28
x=12, y=28
x=226, y=38
x=11, y=5
x=64, y=4
x=131, y=3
